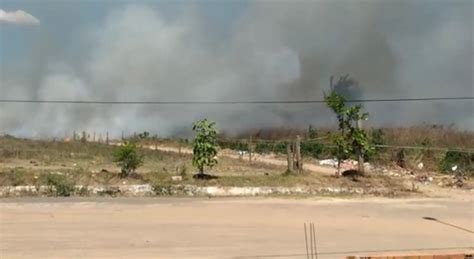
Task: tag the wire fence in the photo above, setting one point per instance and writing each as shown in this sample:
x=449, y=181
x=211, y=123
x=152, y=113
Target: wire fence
x=318, y=141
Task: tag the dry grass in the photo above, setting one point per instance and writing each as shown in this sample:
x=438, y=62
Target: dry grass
x=438, y=136
x=28, y=162
x=434, y=135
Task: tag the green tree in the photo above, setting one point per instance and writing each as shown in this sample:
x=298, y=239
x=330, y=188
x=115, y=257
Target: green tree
x=127, y=158
x=144, y=135
x=205, y=145
x=350, y=139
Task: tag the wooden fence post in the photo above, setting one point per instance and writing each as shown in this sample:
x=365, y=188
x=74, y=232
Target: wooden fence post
x=289, y=157
x=299, y=160
x=250, y=149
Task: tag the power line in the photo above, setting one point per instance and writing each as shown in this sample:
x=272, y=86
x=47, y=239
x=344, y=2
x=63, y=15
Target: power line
x=230, y=102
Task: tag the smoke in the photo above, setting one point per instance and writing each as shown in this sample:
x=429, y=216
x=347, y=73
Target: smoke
x=275, y=51
x=18, y=17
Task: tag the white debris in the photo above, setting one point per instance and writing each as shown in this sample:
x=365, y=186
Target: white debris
x=242, y=152
x=328, y=162
x=420, y=165
x=454, y=168
x=176, y=178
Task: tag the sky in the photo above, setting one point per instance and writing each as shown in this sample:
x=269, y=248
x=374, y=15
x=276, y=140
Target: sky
x=230, y=50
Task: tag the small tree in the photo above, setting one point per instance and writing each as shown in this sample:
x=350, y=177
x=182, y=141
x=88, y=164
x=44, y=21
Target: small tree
x=350, y=139
x=128, y=158
x=205, y=145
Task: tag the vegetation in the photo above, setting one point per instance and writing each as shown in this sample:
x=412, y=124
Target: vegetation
x=60, y=184
x=350, y=139
x=205, y=145
x=457, y=162
x=128, y=158
x=144, y=135
x=61, y=165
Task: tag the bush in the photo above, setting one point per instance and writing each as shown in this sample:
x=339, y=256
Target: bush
x=463, y=161
x=162, y=189
x=266, y=147
x=312, y=149
x=62, y=185
x=205, y=145
x=377, y=137
x=127, y=158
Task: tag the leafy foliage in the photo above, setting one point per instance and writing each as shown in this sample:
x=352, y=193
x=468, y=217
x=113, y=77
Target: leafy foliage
x=144, y=135
x=463, y=162
x=128, y=158
x=62, y=185
x=205, y=145
x=350, y=139
x=377, y=137
x=312, y=132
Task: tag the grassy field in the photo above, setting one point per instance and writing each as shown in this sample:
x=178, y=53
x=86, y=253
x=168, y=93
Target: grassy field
x=28, y=162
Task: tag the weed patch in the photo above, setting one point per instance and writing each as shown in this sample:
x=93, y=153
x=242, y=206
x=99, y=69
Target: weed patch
x=60, y=185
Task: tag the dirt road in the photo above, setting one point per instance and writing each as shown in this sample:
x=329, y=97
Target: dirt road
x=258, y=158
x=226, y=228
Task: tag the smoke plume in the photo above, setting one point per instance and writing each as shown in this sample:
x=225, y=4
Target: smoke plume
x=276, y=51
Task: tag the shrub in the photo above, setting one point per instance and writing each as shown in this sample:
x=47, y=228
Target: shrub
x=204, y=145
x=62, y=185
x=161, y=189
x=128, y=158
x=463, y=161
x=312, y=149
x=266, y=147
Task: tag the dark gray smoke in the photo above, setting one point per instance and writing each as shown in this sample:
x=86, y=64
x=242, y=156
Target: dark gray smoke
x=277, y=51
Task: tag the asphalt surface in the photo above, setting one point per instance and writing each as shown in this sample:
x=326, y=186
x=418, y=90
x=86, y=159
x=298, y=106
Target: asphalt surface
x=230, y=228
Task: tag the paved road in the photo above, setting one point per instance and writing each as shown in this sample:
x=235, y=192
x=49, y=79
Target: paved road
x=225, y=228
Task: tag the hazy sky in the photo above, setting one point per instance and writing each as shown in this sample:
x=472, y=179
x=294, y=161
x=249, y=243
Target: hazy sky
x=230, y=50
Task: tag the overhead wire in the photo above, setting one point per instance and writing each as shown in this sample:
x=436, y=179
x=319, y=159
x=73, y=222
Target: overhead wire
x=189, y=102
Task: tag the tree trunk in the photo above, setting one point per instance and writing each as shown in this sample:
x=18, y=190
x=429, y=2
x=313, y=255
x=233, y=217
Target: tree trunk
x=360, y=163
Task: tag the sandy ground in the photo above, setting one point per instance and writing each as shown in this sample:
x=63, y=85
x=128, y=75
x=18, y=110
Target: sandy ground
x=228, y=228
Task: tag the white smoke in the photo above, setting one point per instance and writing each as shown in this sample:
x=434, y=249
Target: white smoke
x=277, y=51
x=18, y=17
